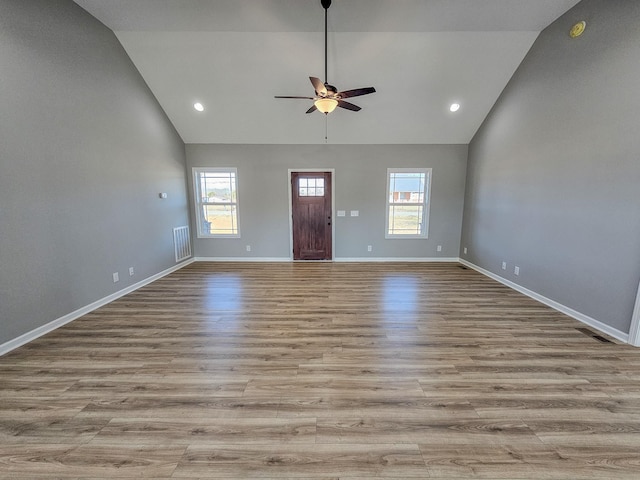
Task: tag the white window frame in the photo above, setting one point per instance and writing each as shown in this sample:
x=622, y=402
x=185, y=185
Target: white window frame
x=198, y=203
x=426, y=203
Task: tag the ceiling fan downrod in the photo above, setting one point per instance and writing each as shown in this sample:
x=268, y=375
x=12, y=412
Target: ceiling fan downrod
x=325, y=4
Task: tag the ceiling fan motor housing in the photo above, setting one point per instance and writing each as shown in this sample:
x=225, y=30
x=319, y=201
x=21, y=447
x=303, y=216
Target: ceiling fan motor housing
x=325, y=4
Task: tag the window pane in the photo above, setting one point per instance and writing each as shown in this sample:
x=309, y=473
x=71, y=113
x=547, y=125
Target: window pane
x=405, y=220
x=311, y=187
x=220, y=220
x=406, y=187
x=218, y=187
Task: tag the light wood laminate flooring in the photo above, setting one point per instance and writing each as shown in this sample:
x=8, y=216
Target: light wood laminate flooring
x=321, y=371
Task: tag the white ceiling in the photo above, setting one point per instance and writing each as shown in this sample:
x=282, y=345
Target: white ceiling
x=235, y=55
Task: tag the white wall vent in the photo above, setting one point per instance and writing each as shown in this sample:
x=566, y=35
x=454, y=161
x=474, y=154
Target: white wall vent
x=182, y=242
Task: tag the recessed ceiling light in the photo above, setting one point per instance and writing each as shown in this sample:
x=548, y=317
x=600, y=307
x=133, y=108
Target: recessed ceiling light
x=454, y=107
x=577, y=29
x=198, y=106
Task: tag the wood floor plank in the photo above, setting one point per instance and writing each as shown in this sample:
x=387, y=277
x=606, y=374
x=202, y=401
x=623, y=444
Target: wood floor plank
x=510, y=462
x=39, y=407
x=59, y=429
x=334, y=371
x=210, y=387
x=74, y=461
x=332, y=387
x=310, y=461
x=182, y=406
x=209, y=431
x=420, y=431
x=384, y=405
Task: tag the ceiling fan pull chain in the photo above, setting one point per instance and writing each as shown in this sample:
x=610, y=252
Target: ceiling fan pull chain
x=326, y=129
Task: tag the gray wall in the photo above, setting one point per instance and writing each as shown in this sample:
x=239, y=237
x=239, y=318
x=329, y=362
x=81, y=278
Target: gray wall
x=553, y=179
x=360, y=180
x=84, y=151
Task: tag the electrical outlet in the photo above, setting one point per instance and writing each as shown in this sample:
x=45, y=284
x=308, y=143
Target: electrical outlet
x=516, y=270
x=369, y=248
x=439, y=248
x=248, y=248
x=131, y=272
x=116, y=277
x=355, y=213
x=504, y=265
x=465, y=250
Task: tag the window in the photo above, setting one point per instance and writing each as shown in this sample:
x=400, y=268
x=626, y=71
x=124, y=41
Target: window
x=311, y=187
x=216, y=200
x=408, y=191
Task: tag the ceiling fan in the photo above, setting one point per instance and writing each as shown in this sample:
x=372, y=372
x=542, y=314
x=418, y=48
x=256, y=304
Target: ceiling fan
x=327, y=96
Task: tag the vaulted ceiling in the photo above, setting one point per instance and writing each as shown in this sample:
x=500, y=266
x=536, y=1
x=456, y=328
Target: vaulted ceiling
x=234, y=56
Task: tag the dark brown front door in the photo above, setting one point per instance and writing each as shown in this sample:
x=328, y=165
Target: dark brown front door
x=311, y=210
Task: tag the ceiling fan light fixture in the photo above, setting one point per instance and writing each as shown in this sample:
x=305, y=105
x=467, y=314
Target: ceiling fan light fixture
x=326, y=105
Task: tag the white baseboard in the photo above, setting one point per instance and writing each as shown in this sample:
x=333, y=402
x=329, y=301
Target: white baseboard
x=592, y=322
x=634, y=331
x=49, y=327
x=338, y=259
x=243, y=259
x=398, y=259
